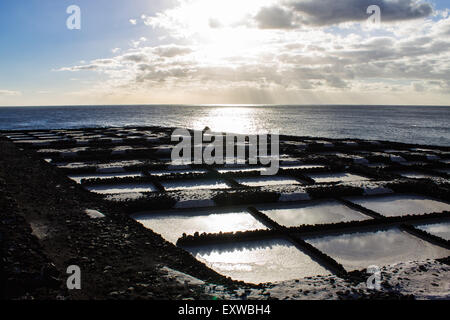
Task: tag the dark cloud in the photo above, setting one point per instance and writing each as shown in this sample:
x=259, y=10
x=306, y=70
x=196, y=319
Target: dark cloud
x=274, y=18
x=328, y=12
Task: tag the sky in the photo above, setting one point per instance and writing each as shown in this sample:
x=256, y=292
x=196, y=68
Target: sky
x=225, y=52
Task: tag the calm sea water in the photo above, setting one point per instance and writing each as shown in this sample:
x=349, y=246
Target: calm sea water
x=410, y=124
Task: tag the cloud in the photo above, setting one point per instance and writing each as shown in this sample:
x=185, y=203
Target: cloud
x=330, y=12
x=274, y=18
x=9, y=93
x=137, y=43
x=135, y=57
x=133, y=21
x=171, y=51
x=286, y=54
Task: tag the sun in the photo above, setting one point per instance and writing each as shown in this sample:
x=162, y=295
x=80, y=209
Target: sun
x=219, y=29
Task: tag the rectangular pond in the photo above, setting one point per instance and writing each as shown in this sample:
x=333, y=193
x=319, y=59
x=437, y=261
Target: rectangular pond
x=414, y=174
x=122, y=188
x=301, y=166
x=336, y=177
x=440, y=229
x=311, y=213
x=194, y=184
x=241, y=169
x=172, y=224
x=258, y=261
x=78, y=177
x=357, y=251
x=162, y=173
x=267, y=181
x=401, y=204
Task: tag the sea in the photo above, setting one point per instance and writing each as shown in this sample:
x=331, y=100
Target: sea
x=425, y=125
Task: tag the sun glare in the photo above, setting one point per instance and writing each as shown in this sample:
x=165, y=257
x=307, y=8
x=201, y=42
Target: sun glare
x=219, y=28
x=228, y=119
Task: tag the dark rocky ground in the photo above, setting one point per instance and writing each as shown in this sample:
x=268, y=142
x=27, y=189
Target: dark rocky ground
x=43, y=230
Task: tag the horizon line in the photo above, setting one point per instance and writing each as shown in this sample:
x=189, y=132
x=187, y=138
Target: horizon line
x=224, y=105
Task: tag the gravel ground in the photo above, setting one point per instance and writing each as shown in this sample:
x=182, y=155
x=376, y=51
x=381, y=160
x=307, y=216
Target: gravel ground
x=44, y=229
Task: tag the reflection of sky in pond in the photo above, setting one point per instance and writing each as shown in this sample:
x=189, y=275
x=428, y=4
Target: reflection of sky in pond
x=194, y=185
x=258, y=261
x=397, y=205
x=441, y=230
x=315, y=212
x=172, y=225
x=335, y=177
x=357, y=251
x=414, y=175
x=122, y=188
x=301, y=166
x=79, y=177
x=266, y=181
x=181, y=171
x=242, y=169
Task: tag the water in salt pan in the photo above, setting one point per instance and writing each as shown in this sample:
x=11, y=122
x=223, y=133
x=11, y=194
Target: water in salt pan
x=267, y=181
x=122, y=188
x=336, y=177
x=258, y=261
x=414, y=174
x=441, y=230
x=242, y=169
x=311, y=213
x=77, y=178
x=400, y=205
x=357, y=251
x=301, y=166
x=170, y=172
x=172, y=224
x=194, y=185
x=17, y=138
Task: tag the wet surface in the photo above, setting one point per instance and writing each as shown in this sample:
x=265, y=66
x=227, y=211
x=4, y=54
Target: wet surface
x=356, y=251
x=259, y=261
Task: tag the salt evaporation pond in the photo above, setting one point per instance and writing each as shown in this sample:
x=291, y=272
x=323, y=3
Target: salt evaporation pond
x=122, y=188
x=78, y=177
x=172, y=224
x=311, y=213
x=414, y=174
x=336, y=177
x=194, y=184
x=242, y=169
x=162, y=173
x=301, y=166
x=258, y=261
x=266, y=181
x=357, y=251
x=400, y=205
x=441, y=229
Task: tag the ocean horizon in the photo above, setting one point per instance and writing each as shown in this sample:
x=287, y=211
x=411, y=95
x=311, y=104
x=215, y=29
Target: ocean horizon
x=426, y=125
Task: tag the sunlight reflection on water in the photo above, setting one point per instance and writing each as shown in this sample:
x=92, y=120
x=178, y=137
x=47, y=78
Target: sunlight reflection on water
x=364, y=122
x=231, y=119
